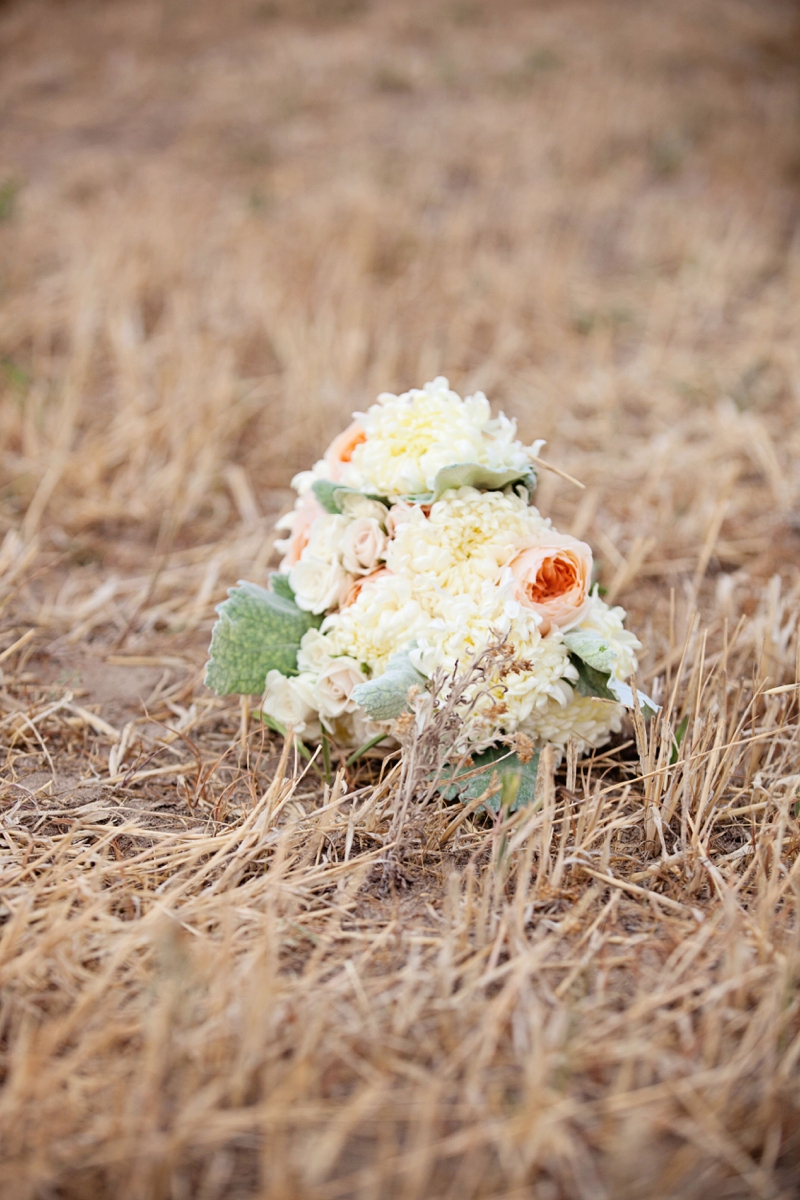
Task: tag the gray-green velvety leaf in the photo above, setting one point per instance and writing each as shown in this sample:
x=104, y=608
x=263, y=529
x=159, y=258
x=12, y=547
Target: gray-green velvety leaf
x=624, y=695
x=478, y=476
x=386, y=697
x=279, y=584
x=592, y=648
x=340, y=492
x=499, y=761
x=329, y=494
x=323, y=489
x=257, y=631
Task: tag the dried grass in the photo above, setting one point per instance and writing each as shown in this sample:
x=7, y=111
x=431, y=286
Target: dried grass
x=220, y=231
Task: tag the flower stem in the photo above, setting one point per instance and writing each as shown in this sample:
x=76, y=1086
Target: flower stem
x=379, y=737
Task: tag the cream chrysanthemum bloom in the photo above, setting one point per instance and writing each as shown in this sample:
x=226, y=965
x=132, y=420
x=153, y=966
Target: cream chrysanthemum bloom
x=467, y=539
x=586, y=719
x=410, y=438
x=384, y=618
x=466, y=624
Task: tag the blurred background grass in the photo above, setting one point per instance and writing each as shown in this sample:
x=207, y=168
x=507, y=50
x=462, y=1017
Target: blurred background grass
x=225, y=227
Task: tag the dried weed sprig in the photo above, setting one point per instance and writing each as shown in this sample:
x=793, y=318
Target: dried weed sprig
x=433, y=734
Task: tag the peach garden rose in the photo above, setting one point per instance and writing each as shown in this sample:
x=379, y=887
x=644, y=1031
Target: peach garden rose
x=340, y=451
x=553, y=578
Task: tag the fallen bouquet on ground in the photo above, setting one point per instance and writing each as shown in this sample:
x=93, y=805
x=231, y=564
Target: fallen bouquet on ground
x=412, y=549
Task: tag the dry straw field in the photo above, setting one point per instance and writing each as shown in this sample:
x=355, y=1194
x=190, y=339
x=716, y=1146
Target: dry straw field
x=222, y=228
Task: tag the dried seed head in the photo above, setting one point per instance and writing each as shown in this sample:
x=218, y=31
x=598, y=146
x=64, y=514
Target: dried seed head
x=524, y=748
x=403, y=724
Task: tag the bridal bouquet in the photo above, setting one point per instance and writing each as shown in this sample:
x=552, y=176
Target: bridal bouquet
x=412, y=547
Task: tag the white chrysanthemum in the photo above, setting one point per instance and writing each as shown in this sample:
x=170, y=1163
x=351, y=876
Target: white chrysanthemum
x=303, y=481
x=410, y=438
x=466, y=624
x=467, y=539
x=588, y=720
x=609, y=622
x=386, y=617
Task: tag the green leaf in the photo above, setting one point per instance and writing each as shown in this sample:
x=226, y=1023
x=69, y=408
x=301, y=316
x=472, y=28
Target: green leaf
x=591, y=682
x=593, y=658
x=257, y=631
x=362, y=750
x=276, y=727
x=279, y=584
x=478, y=476
x=680, y=734
x=386, y=697
x=498, y=762
x=606, y=686
x=592, y=648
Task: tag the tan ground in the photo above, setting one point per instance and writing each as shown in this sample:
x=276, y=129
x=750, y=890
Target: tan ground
x=222, y=228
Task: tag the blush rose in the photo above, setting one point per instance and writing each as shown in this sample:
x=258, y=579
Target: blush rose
x=363, y=544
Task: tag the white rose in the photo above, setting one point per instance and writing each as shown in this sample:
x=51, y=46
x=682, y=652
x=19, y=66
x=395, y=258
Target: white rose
x=325, y=536
x=334, y=687
x=316, y=583
x=314, y=653
x=290, y=702
x=363, y=544
x=353, y=504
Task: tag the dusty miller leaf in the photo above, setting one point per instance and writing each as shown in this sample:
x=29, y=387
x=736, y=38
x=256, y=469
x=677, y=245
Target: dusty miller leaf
x=386, y=697
x=478, y=476
x=323, y=489
x=328, y=493
x=257, y=631
x=495, y=761
x=592, y=648
x=623, y=694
